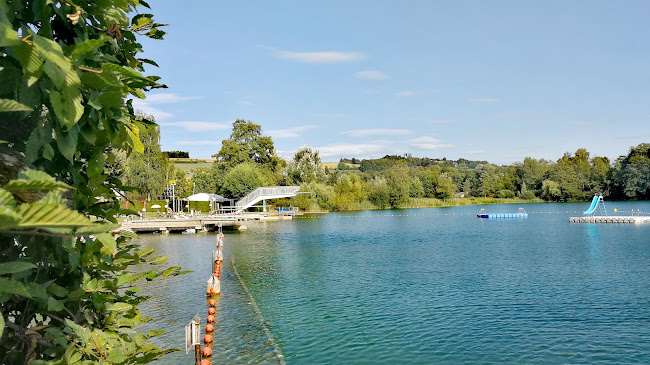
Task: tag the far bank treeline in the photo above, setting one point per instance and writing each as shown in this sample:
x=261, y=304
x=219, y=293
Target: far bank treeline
x=248, y=160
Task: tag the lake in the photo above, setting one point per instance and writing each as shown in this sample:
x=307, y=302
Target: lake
x=417, y=286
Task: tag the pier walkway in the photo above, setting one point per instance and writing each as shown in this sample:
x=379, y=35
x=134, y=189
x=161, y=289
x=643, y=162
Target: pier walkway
x=180, y=225
x=610, y=219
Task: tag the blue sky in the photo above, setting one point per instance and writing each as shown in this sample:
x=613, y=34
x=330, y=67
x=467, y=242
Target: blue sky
x=482, y=80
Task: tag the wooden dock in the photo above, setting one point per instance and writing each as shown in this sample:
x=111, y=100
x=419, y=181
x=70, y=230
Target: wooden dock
x=610, y=219
x=202, y=223
x=179, y=225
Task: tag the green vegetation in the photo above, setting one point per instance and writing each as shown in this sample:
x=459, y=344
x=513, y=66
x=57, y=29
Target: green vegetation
x=67, y=283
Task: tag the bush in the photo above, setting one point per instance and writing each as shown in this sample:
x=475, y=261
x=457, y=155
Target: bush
x=508, y=194
x=528, y=195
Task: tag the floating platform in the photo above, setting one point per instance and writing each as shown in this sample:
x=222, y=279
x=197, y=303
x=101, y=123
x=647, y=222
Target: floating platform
x=519, y=215
x=610, y=219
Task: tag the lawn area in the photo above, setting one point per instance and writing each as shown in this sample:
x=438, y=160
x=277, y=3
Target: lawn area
x=191, y=166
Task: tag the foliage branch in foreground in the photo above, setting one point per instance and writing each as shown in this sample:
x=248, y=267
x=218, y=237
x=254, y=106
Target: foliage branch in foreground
x=68, y=293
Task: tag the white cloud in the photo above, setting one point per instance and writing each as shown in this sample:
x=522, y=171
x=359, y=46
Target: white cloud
x=371, y=75
x=290, y=132
x=428, y=143
x=477, y=152
x=369, y=150
x=246, y=102
x=166, y=98
x=162, y=98
x=199, y=126
x=377, y=131
x=197, y=143
x=406, y=93
x=483, y=100
x=141, y=105
x=318, y=57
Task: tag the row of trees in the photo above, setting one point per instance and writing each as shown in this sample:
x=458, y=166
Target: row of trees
x=248, y=160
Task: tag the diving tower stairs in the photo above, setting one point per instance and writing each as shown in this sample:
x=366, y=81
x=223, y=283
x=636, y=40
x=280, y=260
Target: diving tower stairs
x=263, y=194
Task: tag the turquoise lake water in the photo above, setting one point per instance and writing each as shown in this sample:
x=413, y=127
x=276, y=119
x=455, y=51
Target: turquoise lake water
x=417, y=286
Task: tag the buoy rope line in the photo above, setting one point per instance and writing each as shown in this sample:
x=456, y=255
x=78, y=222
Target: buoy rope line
x=256, y=308
x=461, y=214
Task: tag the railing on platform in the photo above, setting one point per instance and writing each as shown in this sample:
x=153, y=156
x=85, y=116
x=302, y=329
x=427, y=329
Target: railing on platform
x=265, y=193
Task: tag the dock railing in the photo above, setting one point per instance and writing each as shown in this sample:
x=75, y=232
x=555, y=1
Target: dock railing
x=272, y=192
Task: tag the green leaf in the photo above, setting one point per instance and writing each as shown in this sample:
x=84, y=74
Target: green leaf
x=125, y=71
x=48, y=152
x=54, y=305
x=2, y=324
x=67, y=142
x=170, y=271
x=135, y=142
x=81, y=332
x=8, y=217
x=158, y=260
x=39, y=215
x=35, y=185
x=52, y=52
x=140, y=21
x=128, y=234
x=96, y=164
x=111, y=98
x=116, y=356
x=146, y=60
x=14, y=287
x=67, y=104
x=29, y=58
x=154, y=333
x=32, y=146
x=8, y=36
x=15, y=266
x=57, y=290
x=119, y=307
x=115, y=16
x=7, y=199
x=89, y=45
x=107, y=241
x=96, y=228
x=8, y=105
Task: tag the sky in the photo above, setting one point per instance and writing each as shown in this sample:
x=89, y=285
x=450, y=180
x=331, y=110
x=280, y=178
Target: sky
x=481, y=80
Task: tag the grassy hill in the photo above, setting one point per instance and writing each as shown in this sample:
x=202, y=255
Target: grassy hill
x=191, y=164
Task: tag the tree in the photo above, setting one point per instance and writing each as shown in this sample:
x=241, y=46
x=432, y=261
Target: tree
x=305, y=167
x=379, y=194
x=66, y=70
x=416, y=190
x=445, y=188
x=242, y=179
x=247, y=144
x=350, y=191
x=147, y=171
x=177, y=154
x=206, y=180
x=631, y=175
x=398, y=180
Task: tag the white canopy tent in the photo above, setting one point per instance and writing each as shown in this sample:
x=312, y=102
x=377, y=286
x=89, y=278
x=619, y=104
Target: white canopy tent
x=205, y=197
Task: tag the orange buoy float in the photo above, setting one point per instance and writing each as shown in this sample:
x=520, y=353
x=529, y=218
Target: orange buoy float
x=209, y=328
x=211, y=310
x=212, y=302
x=205, y=362
x=210, y=318
x=206, y=351
x=207, y=338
